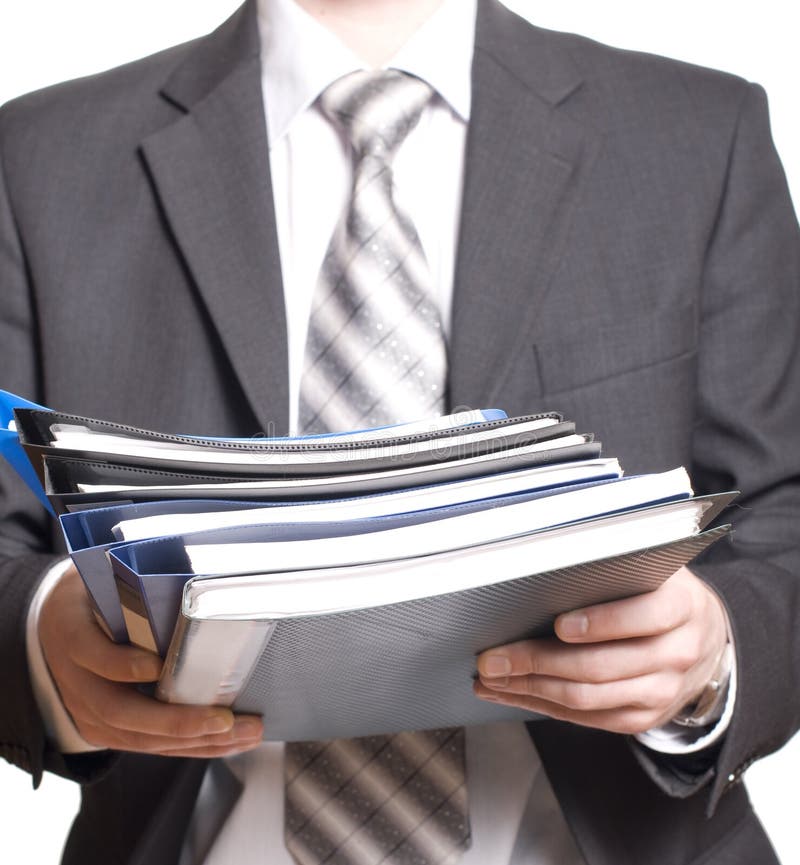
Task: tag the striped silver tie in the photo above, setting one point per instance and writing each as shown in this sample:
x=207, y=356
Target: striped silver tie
x=395, y=800
x=375, y=355
x=375, y=352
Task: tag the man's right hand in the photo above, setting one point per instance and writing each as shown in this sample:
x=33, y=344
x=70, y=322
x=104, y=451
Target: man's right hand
x=97, y=679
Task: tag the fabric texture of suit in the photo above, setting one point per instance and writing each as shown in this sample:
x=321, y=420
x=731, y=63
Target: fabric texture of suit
x=628, y=256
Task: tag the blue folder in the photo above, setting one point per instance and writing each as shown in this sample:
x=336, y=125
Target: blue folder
x=89, y=537
x=11, y=449
x=151, y=574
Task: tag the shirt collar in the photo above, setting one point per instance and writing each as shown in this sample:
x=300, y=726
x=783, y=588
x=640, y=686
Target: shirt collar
x=300, y=58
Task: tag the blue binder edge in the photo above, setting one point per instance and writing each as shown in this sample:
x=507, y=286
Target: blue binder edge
x=161, y=589
x=11, y=449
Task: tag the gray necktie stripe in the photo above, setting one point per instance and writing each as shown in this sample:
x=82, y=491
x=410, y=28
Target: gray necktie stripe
x=408, y=794
x=377, y=110
x=333, y=310
x=377, y=333
x=321, y=396
x=375, y=355
x=365, y=338
x=367, y=317
x=375, y=340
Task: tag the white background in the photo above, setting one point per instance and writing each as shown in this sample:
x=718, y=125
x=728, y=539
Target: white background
x=46, y=41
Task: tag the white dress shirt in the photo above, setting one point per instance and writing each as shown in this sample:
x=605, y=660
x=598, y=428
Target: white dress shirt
x=310, y=165
x=311, y=174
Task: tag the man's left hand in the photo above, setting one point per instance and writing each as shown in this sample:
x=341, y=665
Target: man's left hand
x=625, y=666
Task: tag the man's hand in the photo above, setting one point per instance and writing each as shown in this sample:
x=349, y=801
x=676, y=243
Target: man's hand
x=626, y=666
x=96, y=679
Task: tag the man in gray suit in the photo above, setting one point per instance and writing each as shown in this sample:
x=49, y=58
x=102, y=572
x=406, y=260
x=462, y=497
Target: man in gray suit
x=627, y=255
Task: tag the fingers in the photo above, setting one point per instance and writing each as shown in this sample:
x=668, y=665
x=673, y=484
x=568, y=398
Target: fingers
x=116, y=716
x=125, y=709
x=95, y=680
x=91, y=649
x=208, y=753
x=632, y=685
x=658, y=612
x=657, y=690
x=625, y=666
x=69, y=633
x=244, y=734
x=602, y=662
x=627, y=720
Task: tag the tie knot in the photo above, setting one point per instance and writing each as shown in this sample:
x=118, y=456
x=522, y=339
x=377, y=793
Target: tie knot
x=376, y=109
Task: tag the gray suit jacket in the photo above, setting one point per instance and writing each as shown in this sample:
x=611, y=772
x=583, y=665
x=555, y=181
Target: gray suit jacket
x=628, y=256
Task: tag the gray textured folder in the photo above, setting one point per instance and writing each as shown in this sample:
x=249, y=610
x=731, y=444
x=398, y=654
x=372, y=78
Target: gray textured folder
x=402, y=666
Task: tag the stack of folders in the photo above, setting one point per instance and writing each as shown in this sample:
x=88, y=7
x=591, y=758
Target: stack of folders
x=342, y=585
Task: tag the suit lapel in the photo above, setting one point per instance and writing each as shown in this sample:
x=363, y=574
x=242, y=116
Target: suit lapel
x=211, y=171
x=524, y=163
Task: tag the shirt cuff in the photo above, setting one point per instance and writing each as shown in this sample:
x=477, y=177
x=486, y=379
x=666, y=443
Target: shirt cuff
x=677, y=739
x=59, y=727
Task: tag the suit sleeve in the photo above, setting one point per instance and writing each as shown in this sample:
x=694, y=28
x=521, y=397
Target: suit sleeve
x=26, y=552
x=746, y=438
